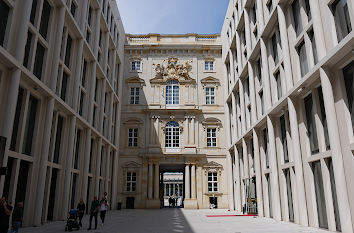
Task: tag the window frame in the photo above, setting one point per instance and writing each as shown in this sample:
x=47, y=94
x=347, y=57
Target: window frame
x=130, y=183
x=133, y=136
x=213, y=182
x=211, y=137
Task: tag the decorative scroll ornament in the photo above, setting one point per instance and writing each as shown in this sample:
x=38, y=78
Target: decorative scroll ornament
x=172, y=70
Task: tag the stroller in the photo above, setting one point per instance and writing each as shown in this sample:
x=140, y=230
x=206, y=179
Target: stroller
x=72, y=222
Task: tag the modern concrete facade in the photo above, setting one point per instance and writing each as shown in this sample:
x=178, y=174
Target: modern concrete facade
x=60, y=90
x=173, y=120
x=289, y=109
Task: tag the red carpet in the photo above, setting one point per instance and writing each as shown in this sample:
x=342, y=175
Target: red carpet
x=231, y=215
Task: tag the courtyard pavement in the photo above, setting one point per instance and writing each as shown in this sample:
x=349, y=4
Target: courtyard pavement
x=176, y=220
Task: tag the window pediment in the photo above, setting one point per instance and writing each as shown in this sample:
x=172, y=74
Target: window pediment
x=211, y=122
x=135, y=80
x=212, y=167
x=210, y=81
x=132, y=122
x=131, y=164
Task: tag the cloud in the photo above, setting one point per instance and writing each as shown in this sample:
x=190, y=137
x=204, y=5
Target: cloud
x=172, y=16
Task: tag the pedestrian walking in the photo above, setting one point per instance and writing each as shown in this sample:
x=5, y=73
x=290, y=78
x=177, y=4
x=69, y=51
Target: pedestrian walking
x=5, y=212
x=17, y=218
x=103, y=208
x=95, y=205
x=81, y=210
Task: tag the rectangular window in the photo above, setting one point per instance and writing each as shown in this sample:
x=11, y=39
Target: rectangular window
x=38, y=62
x=73, y=8
x=4, y=14
x=29, y=128
x=301, y=51
x=81, y=103
x=89, y=17
x=27, y=49
x=297, y=16
x=209, y=65
x=320, y=196
x=73, y=191
x=134, y=95
x=278, y=82
x=275, y=48
x=262, y=102
x=84, y=72
x=64, y=84
x=211, y=137
x=43, y=30
x=311, y=127
x=265, y=146
x=77, y=149
x=314, y=48
x=131, y=182
x=308, y=9
x=212, y=181
x=58, y=137
x=323, y=117
x=210, y=95
x=33, y=11
x=133, y=137
x=289, y=194
x=68, y=51
x=16, y=119
x=348, y=73
x=283, y=139
x=91, y=155
x=341, y=18
x=258, y=69
x=136, y=65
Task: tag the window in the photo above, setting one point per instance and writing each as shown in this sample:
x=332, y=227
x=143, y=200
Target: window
x=212, y=181
x=45, y=19
x=209, y=65
x=58, y=137
x=131, y=181
x=311, y=127
x=172, y=135
x=349, y=87
x=38, y=63
x=278, y=81
x=136, y=65
x=81, y=103
x=84, y=72
x=134, y=95
x=265, y=146
x=314, y=48
x=262, y=102
x=283, y=138
x=133, y=137
x=258, y=71
x=29, y=128
x=275, y=48
x=210, y=95
x=211, y=137
x=73, y=8
x=4, y=14
x=33, y=11
x=301, y=51
x=15, y=127
x=77, y=149
x=297, y=16
x=270, y=5
x=172, y=92
x=68, y=51
x=323, y=117
x=64, y=83
x=341, y=18
x=27, y=49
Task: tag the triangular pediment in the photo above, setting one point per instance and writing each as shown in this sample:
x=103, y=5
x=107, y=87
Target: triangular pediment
x=131, y=164
x=213, y=164
x=210, y=80
x=135, y=80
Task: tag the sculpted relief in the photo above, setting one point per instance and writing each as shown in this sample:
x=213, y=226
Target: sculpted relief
x=170, y=69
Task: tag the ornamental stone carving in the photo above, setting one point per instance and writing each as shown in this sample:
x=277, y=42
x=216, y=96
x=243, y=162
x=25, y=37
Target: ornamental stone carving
x=170, y=69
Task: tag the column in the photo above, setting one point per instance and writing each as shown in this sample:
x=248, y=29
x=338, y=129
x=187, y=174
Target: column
x=157, y=183
x=187, y=182
x=285, y=48
x=337, y=157
x=193, y=183
x=174, y=189
x=67, y=174
x=192, y=133
x=114, y=179
x=300, y=185
x=186, y=130
x=98, y=166
x=77, y=72
x=43, y=161
x=230, y=182
x=87, y=163
x=257, y=165
x=273, y=172
x=265, y=76
x=237, y=180
x=150, y=182
x=152, y=130
x=106, y=166
x=318, y=29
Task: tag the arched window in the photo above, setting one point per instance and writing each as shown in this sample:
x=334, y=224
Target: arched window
x=172, y=135
x=172, y=92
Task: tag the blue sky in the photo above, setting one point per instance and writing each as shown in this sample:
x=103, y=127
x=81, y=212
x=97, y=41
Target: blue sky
x=172, y=16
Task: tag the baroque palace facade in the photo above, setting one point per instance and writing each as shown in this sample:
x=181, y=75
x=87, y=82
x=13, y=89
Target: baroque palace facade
x=172, y=120
x=290, y=109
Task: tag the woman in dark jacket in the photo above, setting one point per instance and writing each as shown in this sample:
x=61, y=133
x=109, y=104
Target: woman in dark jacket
x=81, y=209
